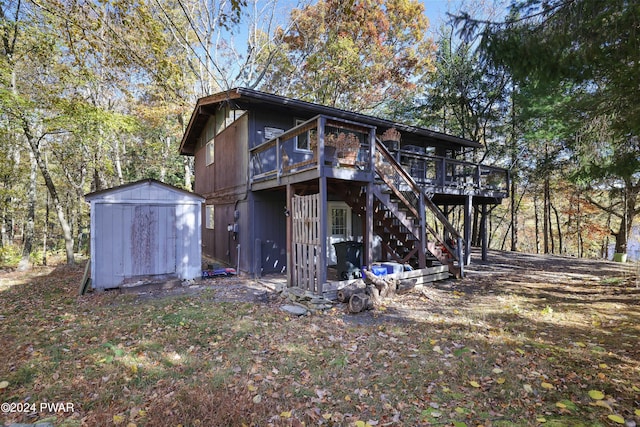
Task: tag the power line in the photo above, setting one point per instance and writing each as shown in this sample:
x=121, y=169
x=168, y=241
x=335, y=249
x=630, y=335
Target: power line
x=184, y=39
x=141, y=61
x=193, y=27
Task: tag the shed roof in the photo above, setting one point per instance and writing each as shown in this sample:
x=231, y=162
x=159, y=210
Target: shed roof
x=205, y=107
x=142, y=191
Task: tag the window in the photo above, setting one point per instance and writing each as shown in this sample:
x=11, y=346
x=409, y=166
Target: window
x=339, y=222
x=210, y=151
x=209, y=216
x=302, y=141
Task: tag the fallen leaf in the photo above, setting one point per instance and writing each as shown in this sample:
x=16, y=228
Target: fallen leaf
x=637, y=412
x=603, y=366
x=118, y=419
x=4, y=384
x=326, y=416
x=596, y=394
x=616, y=419
x=497, y=371
x=257, y=398
x=286, y=414
x=459, y=424
x=501, y=380
x=528, y=388
x=561, y=405
x=541, y=420
x=547, y=386
x=602, y=404
x=474, y=384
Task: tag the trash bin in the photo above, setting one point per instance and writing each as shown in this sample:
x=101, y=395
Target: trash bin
x=349, y=259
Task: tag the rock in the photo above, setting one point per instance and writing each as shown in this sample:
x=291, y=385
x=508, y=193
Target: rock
x=296, y=310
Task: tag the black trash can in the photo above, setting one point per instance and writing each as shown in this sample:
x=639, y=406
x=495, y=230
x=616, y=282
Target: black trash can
x=349, y=259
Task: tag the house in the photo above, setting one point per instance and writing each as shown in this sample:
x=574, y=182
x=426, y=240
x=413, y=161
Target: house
x=284, y=180
x=144, y=231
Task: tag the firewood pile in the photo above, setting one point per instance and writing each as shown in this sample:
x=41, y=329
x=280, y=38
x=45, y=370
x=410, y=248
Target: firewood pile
x=369, y=293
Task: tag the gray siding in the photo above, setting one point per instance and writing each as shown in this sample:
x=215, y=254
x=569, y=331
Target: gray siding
x=270, y=232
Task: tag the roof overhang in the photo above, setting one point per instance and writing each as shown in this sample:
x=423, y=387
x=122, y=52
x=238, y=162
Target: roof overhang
x=206, y=106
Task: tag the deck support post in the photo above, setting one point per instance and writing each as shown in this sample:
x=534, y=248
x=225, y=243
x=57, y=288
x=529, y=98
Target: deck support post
x=483, y=231
x=422, y=258
x=368, y=236
x=322, y=256
x=468, y=218
x=289, y=228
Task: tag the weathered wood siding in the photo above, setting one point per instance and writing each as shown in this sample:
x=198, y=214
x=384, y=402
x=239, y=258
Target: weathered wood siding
x=224, y=183
x=144, y=231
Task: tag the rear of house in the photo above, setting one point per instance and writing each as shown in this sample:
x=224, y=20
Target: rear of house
x=284, y=181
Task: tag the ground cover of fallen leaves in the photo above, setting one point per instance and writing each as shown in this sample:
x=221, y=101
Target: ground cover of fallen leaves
x=514, y=343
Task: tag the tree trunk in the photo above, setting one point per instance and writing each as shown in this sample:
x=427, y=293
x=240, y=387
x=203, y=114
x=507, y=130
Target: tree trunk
x=579, y=229
x=187, y=173
x=555, y=211
x=514, y=217
x=537, y=221
x=545, y=216
x=34, y=144
x=29, y=229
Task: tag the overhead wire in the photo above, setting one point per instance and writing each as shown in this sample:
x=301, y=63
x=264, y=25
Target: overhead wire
x=184, y=38
x=195, y=31
x=141, y=61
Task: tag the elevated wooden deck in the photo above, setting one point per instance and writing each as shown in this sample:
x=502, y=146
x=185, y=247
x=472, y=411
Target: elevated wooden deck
x=334, y=154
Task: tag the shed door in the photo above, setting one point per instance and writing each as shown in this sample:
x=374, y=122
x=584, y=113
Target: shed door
x=153, y=240
x=134, y=241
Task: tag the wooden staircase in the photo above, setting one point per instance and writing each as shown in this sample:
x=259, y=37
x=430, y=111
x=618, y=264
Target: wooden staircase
x=401, y=214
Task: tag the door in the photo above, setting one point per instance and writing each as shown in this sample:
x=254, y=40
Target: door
x=339, y=227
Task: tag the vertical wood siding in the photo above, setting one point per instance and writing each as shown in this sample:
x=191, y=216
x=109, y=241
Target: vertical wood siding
x=144, y=232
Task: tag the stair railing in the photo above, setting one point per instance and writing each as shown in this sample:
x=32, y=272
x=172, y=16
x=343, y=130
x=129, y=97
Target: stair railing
x=397, y=179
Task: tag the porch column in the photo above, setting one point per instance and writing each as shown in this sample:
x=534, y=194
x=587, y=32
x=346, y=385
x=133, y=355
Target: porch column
x=483, y=231
x=322, y=256
x=468, y=217
x=368, y=235
x=289, y=237
x=422, y=258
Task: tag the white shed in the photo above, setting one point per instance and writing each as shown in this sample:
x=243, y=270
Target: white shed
x=145, y=230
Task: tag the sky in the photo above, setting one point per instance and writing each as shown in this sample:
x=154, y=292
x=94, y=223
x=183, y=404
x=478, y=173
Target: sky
x=436, y=11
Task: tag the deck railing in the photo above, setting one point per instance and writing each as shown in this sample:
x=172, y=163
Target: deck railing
x=444, y=172
x=321, y=141
x=336, y=143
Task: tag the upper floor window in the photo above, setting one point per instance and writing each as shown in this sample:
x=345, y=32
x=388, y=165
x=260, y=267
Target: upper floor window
x=209, y=217
x=210, y=151
x=302, y=140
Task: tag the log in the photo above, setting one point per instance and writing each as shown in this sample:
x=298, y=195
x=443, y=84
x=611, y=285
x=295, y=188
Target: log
x=374, y=296
x=386, y=287
x=359, y=303
x=406, y=286
x=357, y=287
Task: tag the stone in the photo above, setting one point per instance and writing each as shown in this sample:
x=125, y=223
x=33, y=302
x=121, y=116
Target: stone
x=296, y=310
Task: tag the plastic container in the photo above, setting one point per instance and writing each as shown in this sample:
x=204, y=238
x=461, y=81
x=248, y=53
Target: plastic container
x=349, y=259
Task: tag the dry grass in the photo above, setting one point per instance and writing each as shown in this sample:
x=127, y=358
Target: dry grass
x=492, y=349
